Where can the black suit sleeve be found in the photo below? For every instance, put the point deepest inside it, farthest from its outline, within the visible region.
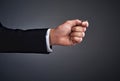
(22, 41)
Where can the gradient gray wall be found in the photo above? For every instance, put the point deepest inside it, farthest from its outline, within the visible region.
(95, 59)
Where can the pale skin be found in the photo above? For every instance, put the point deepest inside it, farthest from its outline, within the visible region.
(69, 33)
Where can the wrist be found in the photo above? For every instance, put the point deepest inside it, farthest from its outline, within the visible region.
(52, 38)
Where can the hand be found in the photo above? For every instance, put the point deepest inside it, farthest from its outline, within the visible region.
(69, 33)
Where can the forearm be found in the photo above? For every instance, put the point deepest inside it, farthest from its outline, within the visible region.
(22, 41)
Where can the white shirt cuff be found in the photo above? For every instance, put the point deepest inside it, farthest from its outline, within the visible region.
(48, 41)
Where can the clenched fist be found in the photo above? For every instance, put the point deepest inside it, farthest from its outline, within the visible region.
(69, 33)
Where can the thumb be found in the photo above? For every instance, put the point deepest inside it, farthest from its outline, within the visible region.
(73, 23)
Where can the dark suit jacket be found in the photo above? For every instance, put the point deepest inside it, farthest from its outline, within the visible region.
(22, 41)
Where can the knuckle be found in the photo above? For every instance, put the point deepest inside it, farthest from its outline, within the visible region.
(83, 34)
(84, 29)
(68, 21)
(78, 40)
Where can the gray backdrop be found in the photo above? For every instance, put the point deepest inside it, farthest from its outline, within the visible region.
(95, 59)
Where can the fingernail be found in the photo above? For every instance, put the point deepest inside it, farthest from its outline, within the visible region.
(87, 24)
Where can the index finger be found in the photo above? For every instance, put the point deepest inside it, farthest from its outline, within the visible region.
(85, 24)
